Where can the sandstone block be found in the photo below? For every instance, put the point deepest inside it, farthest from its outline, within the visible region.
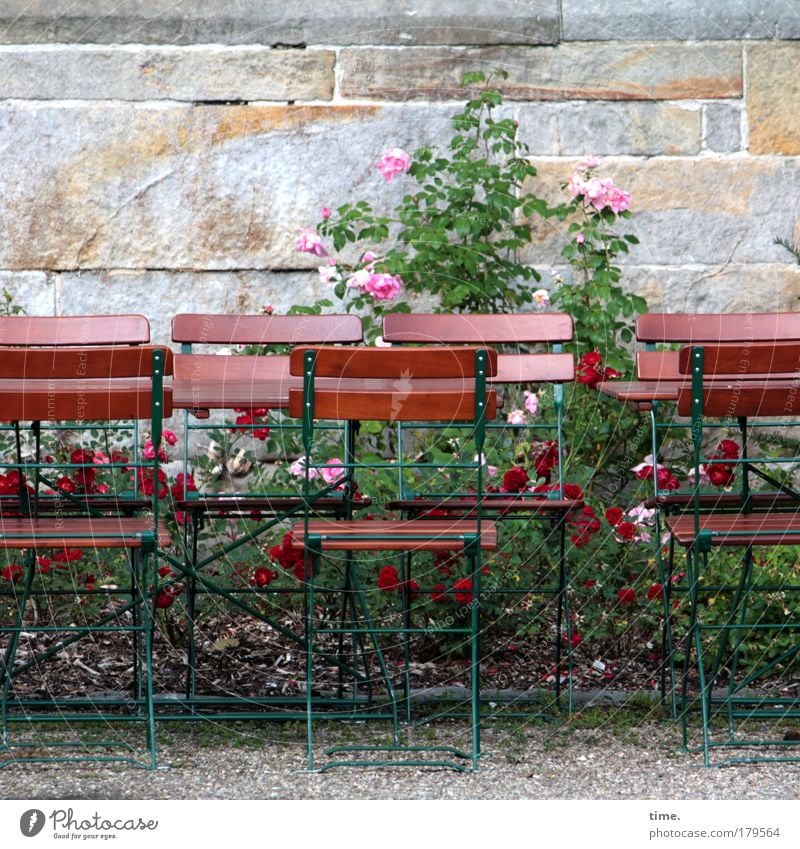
(773, 98)
(179, 187)
(210, 72)
(660, 71)
(678, 19)
(276, 22)
(723, 127)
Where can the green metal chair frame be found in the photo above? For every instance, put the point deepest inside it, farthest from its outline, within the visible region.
(428, 384)
(531, 353)
(762, 391)
(84, 387)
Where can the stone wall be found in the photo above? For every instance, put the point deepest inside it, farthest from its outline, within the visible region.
(161, 156)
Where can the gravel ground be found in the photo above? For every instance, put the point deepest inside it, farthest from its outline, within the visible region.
(521, 761)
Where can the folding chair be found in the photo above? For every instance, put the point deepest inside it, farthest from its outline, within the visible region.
(81, 388)
(765, 390)
(655, 393)
(254, 381)
(523, 361)
(427, 384)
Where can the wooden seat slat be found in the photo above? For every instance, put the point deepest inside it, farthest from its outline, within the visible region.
(751, 529)
(395, 535)
(534, 368)
(74, 532)
(491, 504)
(727, 500)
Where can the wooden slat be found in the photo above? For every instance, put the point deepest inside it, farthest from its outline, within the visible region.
(756, 528)
(400, 363)
(61, 532)
(79, 400)
(410, 402)
(439, 535)
(491, 504)
(639, 392)
(80, 363)
(204, 328)
(80, 330)
(745, 398)
(244, 503)
(753, 361)
(658, 366)
(718, 327)
(464, 328)
(534, 368)
(725, 500)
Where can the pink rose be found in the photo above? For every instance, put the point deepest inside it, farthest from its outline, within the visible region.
(392, 163)
(384, 287)
(360, 279)
(310, 242)
(516, 417)
(169, 437)
(328, 273)
(617, 199)
(531, 402)
(326, 212)
(332, 471)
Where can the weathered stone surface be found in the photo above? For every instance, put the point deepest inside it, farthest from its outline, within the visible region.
(59, 72)
(657, 71)
(159, 295)
(732, 288)
(34, 291)
(180, 187)
(679, 19)
(723, 123)
(277, 22)
(644, 129)
(686, 211)
(773, 98)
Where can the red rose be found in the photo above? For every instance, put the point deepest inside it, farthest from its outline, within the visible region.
(462, 590)
(514, 480)
(625, 530)
(644, 473)
(626, 596)
(590, 582)
(614, 516)
(263, 576)
(12, 573)
(655, 591)
(573, 491)
(611, 374)
(165, 598)
(593, 358)
(388, 579)
(729, 449)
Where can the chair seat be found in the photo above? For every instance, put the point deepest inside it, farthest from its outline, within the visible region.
(736, 529)
(395, 535)
(491, 505)
(66, 532)
(724, 500)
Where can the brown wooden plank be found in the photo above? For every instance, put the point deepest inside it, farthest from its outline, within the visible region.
(407, 403)
(491, 504)
(717, 327)
(204, 328)
(80, 330)
(745, 398)
(639, 392)
(472, 329)
(756, 528)
(80, 363)
(725, 500)
(61, 532)
(758, 360)
(534, 368)
(89, 400)
(439, 535)
(401, 363)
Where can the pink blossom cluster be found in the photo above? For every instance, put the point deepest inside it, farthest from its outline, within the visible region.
(393, 162)
(381, 285)
(310, 242)
(600, 193)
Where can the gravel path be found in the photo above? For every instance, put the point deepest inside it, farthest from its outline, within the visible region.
(520, 762)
